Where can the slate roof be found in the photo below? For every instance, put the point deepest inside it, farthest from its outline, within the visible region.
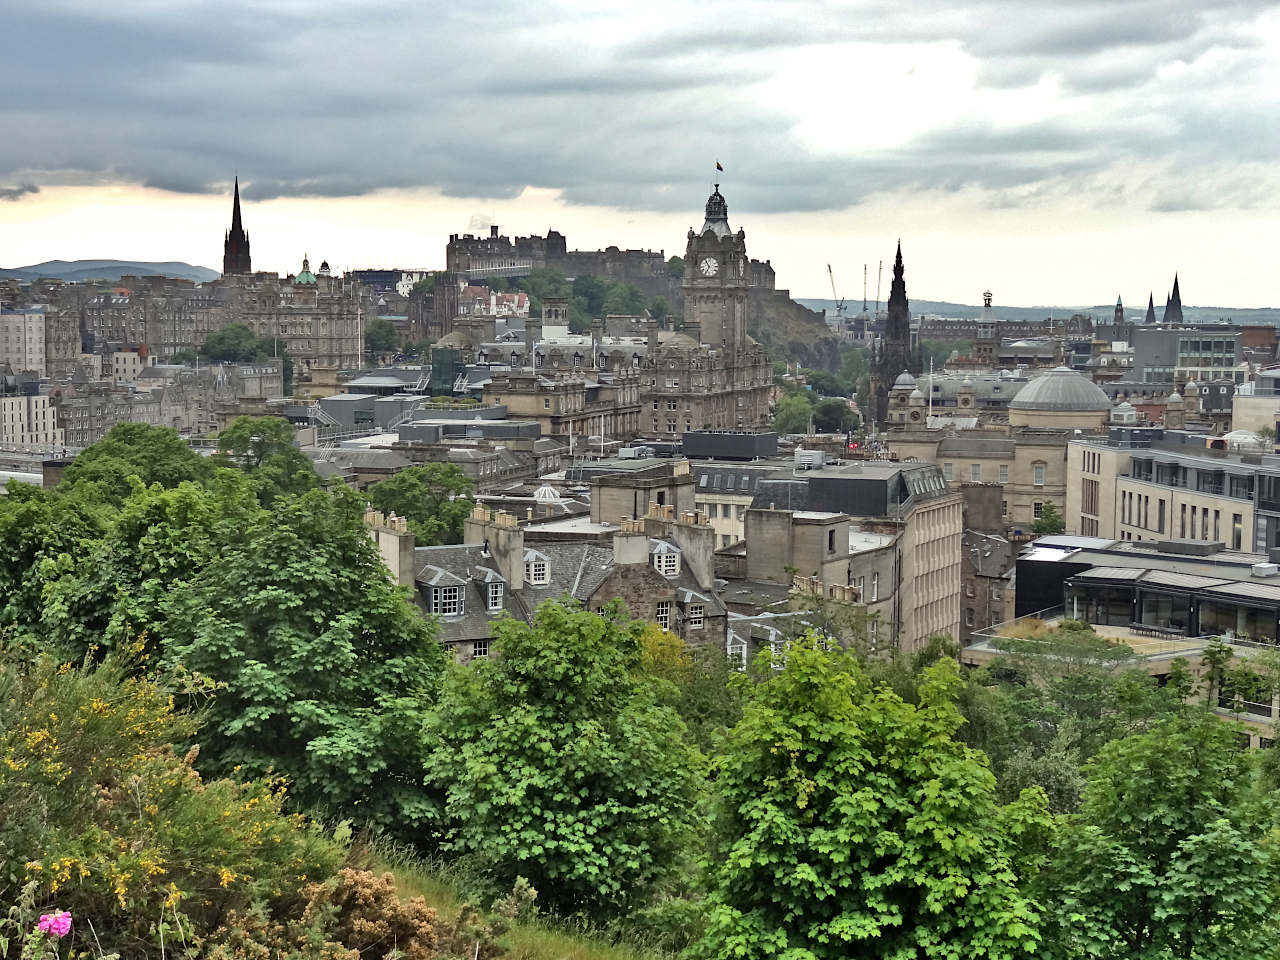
(575, 568)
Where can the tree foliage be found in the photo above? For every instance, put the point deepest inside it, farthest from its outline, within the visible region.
(1050, 521)
(152, 454)
(792, 414)
(435, 498)
(267, 449)
(558, 764)
(852, 823)
(381, 336)
(1171, 855)
(325, 671)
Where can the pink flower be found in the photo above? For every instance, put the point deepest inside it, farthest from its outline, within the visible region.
(58, 924)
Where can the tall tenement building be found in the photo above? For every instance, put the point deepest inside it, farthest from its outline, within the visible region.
(235, 246)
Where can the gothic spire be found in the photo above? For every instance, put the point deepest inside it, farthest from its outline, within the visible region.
(235, 245)
(235, 208)
(1173, 313)
(1151, 308)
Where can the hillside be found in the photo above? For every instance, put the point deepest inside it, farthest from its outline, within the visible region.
(1269, 316)
(790, 330)
(79, 270)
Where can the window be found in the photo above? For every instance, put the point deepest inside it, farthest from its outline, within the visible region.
(1037, 474)
(968, 616)
(831, 541)
(447, 601)
(667, 564)
(875, 587)
(737, 650)
(975, 472)
(495, 597)
(480, 648)
(546, 403)
(1004, 473)
(946, 472)
(697, 614)
(662, 614)
(535, 571)
(1004, 508)
(1037, 509)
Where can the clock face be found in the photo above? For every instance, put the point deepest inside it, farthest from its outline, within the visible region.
(708, 266)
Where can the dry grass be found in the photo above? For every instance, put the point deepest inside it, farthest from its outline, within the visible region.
(535, 940)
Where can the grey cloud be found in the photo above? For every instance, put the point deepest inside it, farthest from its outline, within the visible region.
(313, 102)
(18, 192)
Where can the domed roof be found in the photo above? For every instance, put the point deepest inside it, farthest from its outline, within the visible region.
(679, 341)
(916, 394)
(905, 379)
(1174, 399)
(305, 275)
(1060, 389)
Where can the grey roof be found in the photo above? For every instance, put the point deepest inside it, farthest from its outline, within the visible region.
(976, 446)
(1060, 389)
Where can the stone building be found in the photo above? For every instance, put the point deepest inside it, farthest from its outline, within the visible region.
(29, 421)
(40, 339)
(659, 565)
(893, 353)
(571, 405)
(911, 503)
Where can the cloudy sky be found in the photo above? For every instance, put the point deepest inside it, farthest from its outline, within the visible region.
(1057, 152)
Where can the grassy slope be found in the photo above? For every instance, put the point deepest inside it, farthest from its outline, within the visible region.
(529, 941)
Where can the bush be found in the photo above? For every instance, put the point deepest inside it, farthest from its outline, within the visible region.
(114, 825)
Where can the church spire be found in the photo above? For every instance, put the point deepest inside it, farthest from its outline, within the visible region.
(1151, 308)
(235, 245)
(1119, 316)
(1173, 312)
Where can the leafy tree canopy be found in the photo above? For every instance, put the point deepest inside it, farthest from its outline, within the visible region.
(381, 336)
(792, 414)
(853, 823)
(1049, 522)
(236, 343)
(1173, 853)
(266, 448)
(152, 454)
(558, 764)
(435, 498)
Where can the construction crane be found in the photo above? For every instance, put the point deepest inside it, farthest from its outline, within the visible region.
(836, 296)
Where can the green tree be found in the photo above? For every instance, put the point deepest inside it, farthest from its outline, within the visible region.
(1049, 522)
(1171, 855)
(152, 454)
(624, 298)
(825, 384)
(792, 414)
(591, 289)
(558, 764)
(435, 498)
(660, 308)
(380, 336)
(266, 448)
(832, 415)
(235, 343)
(675, 267)
(325, 670)
(851, 823)
(423, 287)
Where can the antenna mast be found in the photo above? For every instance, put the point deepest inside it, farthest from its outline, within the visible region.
(879, 275)
(864, 288)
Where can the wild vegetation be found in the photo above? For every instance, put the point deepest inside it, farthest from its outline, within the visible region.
(221, 724)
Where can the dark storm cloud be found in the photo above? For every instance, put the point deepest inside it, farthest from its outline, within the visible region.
(631, 109)
(18, 192)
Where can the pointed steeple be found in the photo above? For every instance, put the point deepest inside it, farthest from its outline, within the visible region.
(235, 245)
(235, 208)
(1173, 312)
(1119, 316)
(1151, 308)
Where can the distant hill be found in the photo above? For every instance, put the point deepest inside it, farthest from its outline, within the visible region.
(107, 270)
(1267, 316)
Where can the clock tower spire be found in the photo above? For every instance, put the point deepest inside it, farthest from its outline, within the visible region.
(715, 280)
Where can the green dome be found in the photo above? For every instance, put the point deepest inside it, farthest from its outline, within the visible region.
(305, 275)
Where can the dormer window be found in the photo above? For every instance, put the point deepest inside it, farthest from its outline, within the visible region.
(494, 596)
(446, 601)
(667, 563)
(537, 573)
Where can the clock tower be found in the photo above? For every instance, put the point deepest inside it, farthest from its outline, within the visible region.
(715, 281)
